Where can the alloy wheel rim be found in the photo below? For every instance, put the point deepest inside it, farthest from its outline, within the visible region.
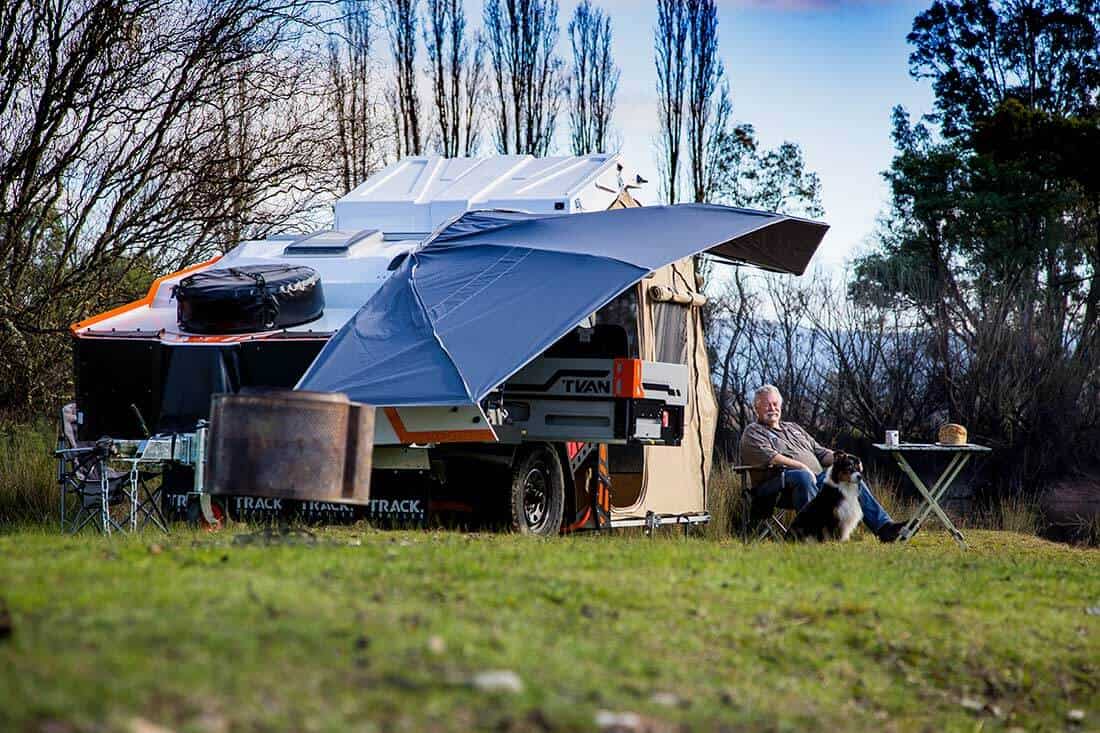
(535, 498)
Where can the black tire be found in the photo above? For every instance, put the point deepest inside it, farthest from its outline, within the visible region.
(538, 491)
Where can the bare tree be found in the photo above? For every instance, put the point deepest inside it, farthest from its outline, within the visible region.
(401, 21)
(527, 80)
(704, 76)
(671, 45)
(119, 157)
(265, 164)
(733, 311)
(359, 137)
(475, 96)
(594, 80)
(456, 64)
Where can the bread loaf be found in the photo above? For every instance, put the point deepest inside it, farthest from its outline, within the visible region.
(951, 434)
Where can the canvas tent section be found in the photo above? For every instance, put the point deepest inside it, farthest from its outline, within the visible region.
(672, 331)
(673, 480)
(489, 292)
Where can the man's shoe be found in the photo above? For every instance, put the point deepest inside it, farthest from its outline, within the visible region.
(890, 531)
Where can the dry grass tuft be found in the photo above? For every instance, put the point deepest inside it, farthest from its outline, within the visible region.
(725, 502)
(27, 481)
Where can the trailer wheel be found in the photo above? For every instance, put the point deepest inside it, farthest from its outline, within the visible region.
(538, 491)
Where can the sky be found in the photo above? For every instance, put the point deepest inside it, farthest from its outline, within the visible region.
(822, 73)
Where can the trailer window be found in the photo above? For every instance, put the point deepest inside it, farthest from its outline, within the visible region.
(670, 324)
(623, 312)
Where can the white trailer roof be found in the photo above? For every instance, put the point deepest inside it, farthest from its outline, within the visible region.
(414, 196)
(386, 215)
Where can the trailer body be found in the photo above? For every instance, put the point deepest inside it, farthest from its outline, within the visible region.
(621, 406)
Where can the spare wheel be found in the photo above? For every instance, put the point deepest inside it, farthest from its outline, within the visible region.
(248, 299)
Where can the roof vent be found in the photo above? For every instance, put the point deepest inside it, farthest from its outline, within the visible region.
(334, 243)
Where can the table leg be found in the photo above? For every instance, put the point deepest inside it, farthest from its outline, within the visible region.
(104, 506)
(945, 483)
(941, 484)
(931, 498)
(133, 496)
(914, 522)
(939, 489)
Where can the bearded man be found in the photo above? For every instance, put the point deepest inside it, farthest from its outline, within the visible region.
(791, 466)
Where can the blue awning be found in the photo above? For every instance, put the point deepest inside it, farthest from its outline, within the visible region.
(493, 290)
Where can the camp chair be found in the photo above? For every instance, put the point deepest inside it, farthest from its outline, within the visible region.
(763, 516)
(89, 489)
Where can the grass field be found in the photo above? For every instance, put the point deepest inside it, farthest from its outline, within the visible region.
(366, 630)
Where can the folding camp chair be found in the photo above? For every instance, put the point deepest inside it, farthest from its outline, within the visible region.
(763, 516)
(90, 491)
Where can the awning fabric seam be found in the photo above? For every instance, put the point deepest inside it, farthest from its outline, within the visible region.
(435, 334)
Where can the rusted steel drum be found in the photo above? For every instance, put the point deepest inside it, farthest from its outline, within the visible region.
(285, 444)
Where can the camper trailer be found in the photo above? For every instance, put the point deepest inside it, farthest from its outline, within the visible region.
(567, 389)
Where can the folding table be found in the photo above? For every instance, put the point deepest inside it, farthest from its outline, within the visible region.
(960, 454)
(152, 454)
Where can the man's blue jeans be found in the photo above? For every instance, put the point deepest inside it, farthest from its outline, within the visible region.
(794, 488)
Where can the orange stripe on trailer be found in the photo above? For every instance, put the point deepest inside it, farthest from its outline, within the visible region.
(226, 338)
(627, 378)
(148, 299)
(435, 436)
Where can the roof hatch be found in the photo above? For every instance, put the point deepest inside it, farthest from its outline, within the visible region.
(333, 243)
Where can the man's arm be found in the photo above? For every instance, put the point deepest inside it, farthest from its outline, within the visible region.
(823, 454)
(784, 462)
(756, 447)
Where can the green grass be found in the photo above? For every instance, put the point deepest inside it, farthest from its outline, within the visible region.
(370, 630)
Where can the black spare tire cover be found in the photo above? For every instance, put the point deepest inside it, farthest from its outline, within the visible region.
(249, 298)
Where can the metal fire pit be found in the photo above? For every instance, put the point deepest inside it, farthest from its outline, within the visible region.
(312, 446)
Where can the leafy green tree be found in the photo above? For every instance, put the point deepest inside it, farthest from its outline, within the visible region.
(746, 174)
(980, 53)
(993, 234)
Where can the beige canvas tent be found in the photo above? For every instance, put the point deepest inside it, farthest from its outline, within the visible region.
(673, 480)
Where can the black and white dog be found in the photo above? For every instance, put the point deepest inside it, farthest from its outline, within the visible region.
(835, 511)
